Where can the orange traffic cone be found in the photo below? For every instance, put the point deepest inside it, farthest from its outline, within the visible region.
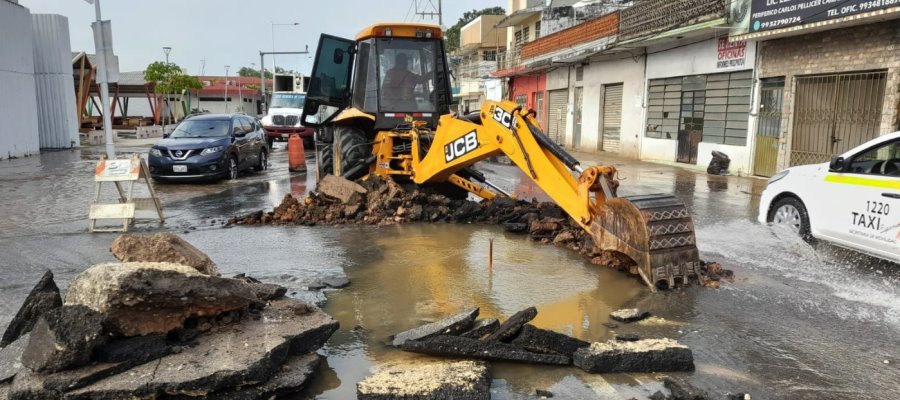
(296, 158)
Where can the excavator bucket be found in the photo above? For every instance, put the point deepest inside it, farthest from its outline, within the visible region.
(656, 231)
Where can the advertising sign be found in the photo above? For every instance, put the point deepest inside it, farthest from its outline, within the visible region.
(774, 14)
(731, 54)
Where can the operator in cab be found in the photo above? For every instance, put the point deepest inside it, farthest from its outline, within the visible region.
(398, 88)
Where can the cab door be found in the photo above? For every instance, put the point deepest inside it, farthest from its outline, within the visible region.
(329, 85)
(864, 192)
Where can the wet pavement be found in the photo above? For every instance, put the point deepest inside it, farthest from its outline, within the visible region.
(800, 322)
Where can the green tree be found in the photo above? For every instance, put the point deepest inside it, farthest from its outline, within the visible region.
(452, 33)
(169, 78)
(247, 71)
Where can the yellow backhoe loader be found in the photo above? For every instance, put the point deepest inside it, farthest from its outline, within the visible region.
(381, 104)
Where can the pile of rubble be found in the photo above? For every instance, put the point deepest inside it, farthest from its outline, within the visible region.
(376, 201)
(160, 324)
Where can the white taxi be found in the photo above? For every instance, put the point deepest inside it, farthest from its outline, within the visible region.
(853, 202)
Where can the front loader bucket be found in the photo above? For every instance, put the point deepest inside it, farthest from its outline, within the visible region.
(656, 231)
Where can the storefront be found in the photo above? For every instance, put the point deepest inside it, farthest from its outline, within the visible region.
(528, 90)
(826, 93)
(698, 100)
(613, 89)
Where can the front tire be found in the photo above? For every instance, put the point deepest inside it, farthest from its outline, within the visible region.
(325, 160)
(354, 151)
(232, 168)
(790, 212)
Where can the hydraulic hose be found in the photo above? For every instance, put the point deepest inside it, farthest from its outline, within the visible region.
(553, 148)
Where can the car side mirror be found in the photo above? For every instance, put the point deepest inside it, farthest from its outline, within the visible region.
(837, 164)
(166, 135)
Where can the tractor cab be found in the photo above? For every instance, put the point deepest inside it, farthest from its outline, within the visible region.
(391, 72)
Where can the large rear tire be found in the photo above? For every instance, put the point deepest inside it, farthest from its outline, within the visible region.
(355, 148)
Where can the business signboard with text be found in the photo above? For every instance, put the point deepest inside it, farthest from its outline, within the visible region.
(768, 15)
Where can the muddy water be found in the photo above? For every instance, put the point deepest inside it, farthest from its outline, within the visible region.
(406, 276)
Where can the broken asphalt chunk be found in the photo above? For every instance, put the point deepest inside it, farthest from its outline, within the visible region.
(458, 380)
(455, 346)
(682, 390)
(629, 315)
(290, 378)
(539, 340)
(11, 358)
(42, 298)
(64, 338)
(481, 328)
(454, 325)
(511, 327)
(648, 355)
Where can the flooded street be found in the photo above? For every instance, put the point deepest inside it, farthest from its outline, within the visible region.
(799, 322)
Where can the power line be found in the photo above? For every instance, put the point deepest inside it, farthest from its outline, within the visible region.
(435, 11)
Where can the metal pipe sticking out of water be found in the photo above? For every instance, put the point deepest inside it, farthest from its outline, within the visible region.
(491, 255)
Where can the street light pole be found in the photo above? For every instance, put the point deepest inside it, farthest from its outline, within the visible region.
(166, 118)
(273, 40)
(226, 88)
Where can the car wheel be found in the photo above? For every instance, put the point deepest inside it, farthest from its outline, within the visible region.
(232, 168)
(790, 213)
(263, 161)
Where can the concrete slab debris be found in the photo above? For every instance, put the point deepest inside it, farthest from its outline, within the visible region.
(139, 298)
(42, 298)
(511, 327)
(538, 340)
(629, 315)
(454, 325)
(64, 337)
(263, 291)
(11, 358)
(346, 191)
(458, 380)
(162, 247)
(455, 346)
(648, 355)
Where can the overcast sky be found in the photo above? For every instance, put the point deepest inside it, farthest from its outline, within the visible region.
(232, 32)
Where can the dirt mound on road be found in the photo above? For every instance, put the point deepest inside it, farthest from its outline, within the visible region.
(376, 201)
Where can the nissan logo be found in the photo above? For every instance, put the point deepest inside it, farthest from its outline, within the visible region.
(178, 153)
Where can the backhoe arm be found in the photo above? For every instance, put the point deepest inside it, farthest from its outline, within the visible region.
(655, 231)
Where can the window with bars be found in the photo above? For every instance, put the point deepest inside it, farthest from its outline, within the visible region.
(521, 100)
(489, 55)
(539, 106)
(537, 30)
(525, 32)
(717, 104)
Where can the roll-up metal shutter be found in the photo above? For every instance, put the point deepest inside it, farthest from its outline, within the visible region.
(557, 115)
(612, 117)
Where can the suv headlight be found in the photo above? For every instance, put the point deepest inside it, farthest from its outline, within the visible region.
(779, 176)
(211, 150)
(155, 152)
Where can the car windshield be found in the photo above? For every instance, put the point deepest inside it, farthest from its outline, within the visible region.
(202, 129)
(284, 100)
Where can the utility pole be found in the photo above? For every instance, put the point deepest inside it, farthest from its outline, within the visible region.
(102, 48)
(166, 118)
(435, 12)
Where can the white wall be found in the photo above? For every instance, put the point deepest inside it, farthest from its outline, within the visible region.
(696, 59)
(630, 73)
(57, 116)
(18, 103)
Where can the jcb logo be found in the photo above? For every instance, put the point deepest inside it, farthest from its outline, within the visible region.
(503, 117)
(461, 146)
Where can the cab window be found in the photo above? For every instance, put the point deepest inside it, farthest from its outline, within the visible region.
(406, 73)
(881, 160)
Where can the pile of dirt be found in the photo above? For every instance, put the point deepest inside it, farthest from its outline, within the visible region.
(376, 201)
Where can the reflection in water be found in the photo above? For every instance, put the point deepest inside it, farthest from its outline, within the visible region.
(414, 274)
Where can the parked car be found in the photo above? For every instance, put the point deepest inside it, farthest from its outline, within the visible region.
(852, 202)
(210, 146)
